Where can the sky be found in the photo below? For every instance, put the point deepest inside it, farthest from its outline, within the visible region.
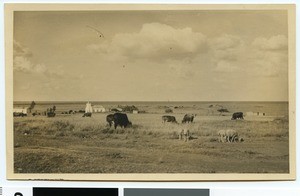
(150, 55)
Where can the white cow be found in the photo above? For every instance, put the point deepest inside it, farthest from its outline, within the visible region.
(229, 135)
(184, 134)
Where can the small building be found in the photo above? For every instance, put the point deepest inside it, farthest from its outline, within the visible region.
(20, 111)
(255, 114)
(249, 114)
(98, 109)
(135, 111)
(261, 114)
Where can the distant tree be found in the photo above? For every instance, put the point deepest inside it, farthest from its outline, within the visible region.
(128, 108)
(169, 110)
(31, 106)
(222, 110)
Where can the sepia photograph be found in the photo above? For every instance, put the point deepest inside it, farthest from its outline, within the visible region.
(150, 92)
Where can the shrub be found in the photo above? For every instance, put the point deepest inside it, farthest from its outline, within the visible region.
(169, 110)
(62, 126)
(128, 108)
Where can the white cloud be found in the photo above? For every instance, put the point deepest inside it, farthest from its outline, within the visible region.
(40, 68)
(22, 64)
(154, 40)
(265, 57)
(231, 54)
(226, 67)
(272, 64)
(21, 60)
(20, 50)
(278, 42)
(225, 42)
(271, 58)
(226, 50)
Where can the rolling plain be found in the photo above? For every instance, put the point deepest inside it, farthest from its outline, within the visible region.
(69, 143)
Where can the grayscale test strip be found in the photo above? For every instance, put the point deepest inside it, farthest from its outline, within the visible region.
(166, 192)
(58, 191)
(76, 191)
(51, 191)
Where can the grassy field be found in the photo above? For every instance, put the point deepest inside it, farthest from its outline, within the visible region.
(72, 144)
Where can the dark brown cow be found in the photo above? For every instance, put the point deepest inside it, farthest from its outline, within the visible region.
(237, 115)
(110, 119)
(89, 114)
(121, 120)
(167, 118)
(188, 118)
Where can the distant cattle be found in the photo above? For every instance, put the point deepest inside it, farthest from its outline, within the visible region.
(167, 118)
(229, 135)
(71, 112)
(110, 119)
(50, 114)
(237, 115)
(120, 119)
(188, 118)
(184, 134)
(89, 114)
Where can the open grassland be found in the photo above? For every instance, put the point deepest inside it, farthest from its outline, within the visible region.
(72, 144)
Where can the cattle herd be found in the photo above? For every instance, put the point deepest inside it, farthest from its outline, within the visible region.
(188, 118)
(121, 119)
(228, 135)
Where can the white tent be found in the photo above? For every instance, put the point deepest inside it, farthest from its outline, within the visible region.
(88, 108)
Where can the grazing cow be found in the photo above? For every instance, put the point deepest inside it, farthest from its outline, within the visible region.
(184, 134)
(89, 114)
(232, 135)
(121, 120)
(237, 115)
(229, 135)
(167, 118)
(110, 119)
(188, 118)
(50, 114)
